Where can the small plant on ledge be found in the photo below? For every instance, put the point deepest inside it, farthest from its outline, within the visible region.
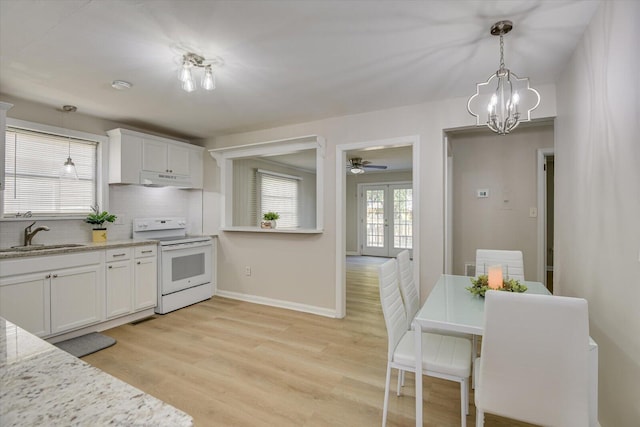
(269, 220)
(480, 286)
(98, 218)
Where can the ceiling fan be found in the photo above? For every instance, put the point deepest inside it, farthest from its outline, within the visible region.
(357, 166)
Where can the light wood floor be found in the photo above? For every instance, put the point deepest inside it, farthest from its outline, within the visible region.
(232, 363)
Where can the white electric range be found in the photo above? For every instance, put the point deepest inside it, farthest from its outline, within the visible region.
(184, 262)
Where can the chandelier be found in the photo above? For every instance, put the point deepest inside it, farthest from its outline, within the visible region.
(191, 61)
(504, 98)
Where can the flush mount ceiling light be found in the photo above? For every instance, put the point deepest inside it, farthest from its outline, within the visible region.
(68, 169)
(192, 60)
(121, 85)
(504, 96)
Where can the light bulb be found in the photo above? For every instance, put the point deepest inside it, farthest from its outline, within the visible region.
(208, 80)
(516, 98)
(188, 85)
(356, 171)
(185, 72)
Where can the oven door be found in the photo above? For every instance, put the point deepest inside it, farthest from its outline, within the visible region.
(185, 265)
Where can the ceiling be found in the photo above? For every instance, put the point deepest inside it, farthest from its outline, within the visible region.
(285, 61)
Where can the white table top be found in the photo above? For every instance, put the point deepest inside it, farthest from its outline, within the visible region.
(451, 307)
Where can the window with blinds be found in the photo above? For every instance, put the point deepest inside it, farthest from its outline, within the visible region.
(33, 170)
(279, 193)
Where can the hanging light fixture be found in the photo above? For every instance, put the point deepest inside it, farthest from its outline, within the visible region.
(504, 97)
(68, 170)
(191, 61)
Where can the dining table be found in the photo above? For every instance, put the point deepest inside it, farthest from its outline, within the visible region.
(450, 307)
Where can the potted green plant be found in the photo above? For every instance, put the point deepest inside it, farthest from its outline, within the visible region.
(98, 218)
(269, 220)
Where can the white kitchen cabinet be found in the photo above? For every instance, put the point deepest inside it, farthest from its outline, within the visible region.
(145, 277)
(24, 300)
(76, 297)
(119, 282)
(134, 155)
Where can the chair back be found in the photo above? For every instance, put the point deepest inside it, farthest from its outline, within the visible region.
(407, 286)
(395, 318)
(512, 260)
(534, 364)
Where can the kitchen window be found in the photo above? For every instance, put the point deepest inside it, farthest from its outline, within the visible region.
(279, 193)
(33, 166)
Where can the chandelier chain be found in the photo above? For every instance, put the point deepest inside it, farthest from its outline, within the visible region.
(501, 53)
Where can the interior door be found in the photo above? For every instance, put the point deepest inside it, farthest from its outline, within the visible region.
(386, 218)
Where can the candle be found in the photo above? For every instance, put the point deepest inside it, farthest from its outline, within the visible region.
(495, 277)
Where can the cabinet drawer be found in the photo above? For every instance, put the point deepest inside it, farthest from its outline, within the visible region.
(145, 251)
(118, 254)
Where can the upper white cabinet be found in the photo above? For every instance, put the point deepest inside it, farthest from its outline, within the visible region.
(138, 158)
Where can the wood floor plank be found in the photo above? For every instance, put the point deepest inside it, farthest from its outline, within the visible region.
(233, 363)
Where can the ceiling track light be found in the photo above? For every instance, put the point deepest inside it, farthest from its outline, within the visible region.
(191, 61)
(503, 102)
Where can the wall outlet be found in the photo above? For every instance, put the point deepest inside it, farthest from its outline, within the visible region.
(247, 271)
(533, 212)
(482, 193)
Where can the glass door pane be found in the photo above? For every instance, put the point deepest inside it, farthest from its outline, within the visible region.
(375, 221)
(402, 226)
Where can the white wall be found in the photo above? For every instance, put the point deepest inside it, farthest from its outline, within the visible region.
(301, 269)
(352, 200)
(597, 211)
(506, 165)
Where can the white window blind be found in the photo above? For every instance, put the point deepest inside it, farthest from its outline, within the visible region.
(279, 193)
(33, 164)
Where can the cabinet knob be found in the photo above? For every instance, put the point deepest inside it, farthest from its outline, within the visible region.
(48, 276)
(111, 266)
(139, 262)
(55, 275)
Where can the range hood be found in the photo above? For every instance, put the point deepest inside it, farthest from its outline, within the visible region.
(163, 179)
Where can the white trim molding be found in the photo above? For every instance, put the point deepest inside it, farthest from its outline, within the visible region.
(321, 311)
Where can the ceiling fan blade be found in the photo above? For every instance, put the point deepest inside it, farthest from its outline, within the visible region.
(374, 167)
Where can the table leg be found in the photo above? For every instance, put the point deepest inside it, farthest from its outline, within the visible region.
(418, 380)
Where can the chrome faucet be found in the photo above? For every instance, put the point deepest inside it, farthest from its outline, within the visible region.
(28, 234)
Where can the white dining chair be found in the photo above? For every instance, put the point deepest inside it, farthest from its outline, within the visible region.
(443, 356)
(534, 364)
(512, 262)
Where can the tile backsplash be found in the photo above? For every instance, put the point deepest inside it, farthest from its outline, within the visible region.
(127, 202)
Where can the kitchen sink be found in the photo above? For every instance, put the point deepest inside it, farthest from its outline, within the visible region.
(41, 247)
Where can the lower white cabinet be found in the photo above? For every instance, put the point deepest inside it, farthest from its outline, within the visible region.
(52, 295)
(119, 282)
(24, 300)
(76, 297)
(145, 278)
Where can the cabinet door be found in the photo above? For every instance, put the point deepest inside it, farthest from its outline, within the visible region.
(154, 156)
(146, 283)
(24, 300)
(76, 297)
(119, 288)
(178, 159)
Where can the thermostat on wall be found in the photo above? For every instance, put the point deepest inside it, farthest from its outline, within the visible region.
(482, 193)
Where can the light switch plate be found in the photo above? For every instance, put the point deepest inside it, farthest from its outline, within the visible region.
(533, 212)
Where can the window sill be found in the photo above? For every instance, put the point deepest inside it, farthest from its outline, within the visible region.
(276, 230)
(43, 218)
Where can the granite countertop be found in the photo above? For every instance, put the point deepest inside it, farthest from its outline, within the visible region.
(82, 247)
(42, 385)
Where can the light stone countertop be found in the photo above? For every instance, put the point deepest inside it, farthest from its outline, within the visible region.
(42, 385)
(9, 253)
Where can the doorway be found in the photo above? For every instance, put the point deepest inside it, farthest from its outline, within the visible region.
(386, 218)
(343, 201)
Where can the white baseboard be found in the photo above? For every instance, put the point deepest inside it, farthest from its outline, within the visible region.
(352, 253)
(320, 311)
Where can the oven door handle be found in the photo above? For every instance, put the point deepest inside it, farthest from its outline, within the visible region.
(185, 246)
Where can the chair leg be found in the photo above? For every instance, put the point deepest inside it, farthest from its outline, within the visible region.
(464, 403)
(386, 396)
(479, 417)
(402, 383)
(400, 375)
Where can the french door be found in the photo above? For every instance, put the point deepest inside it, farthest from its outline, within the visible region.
(386, 218)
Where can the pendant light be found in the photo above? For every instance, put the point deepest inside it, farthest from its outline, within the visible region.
(68, 169)
(504, 99)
